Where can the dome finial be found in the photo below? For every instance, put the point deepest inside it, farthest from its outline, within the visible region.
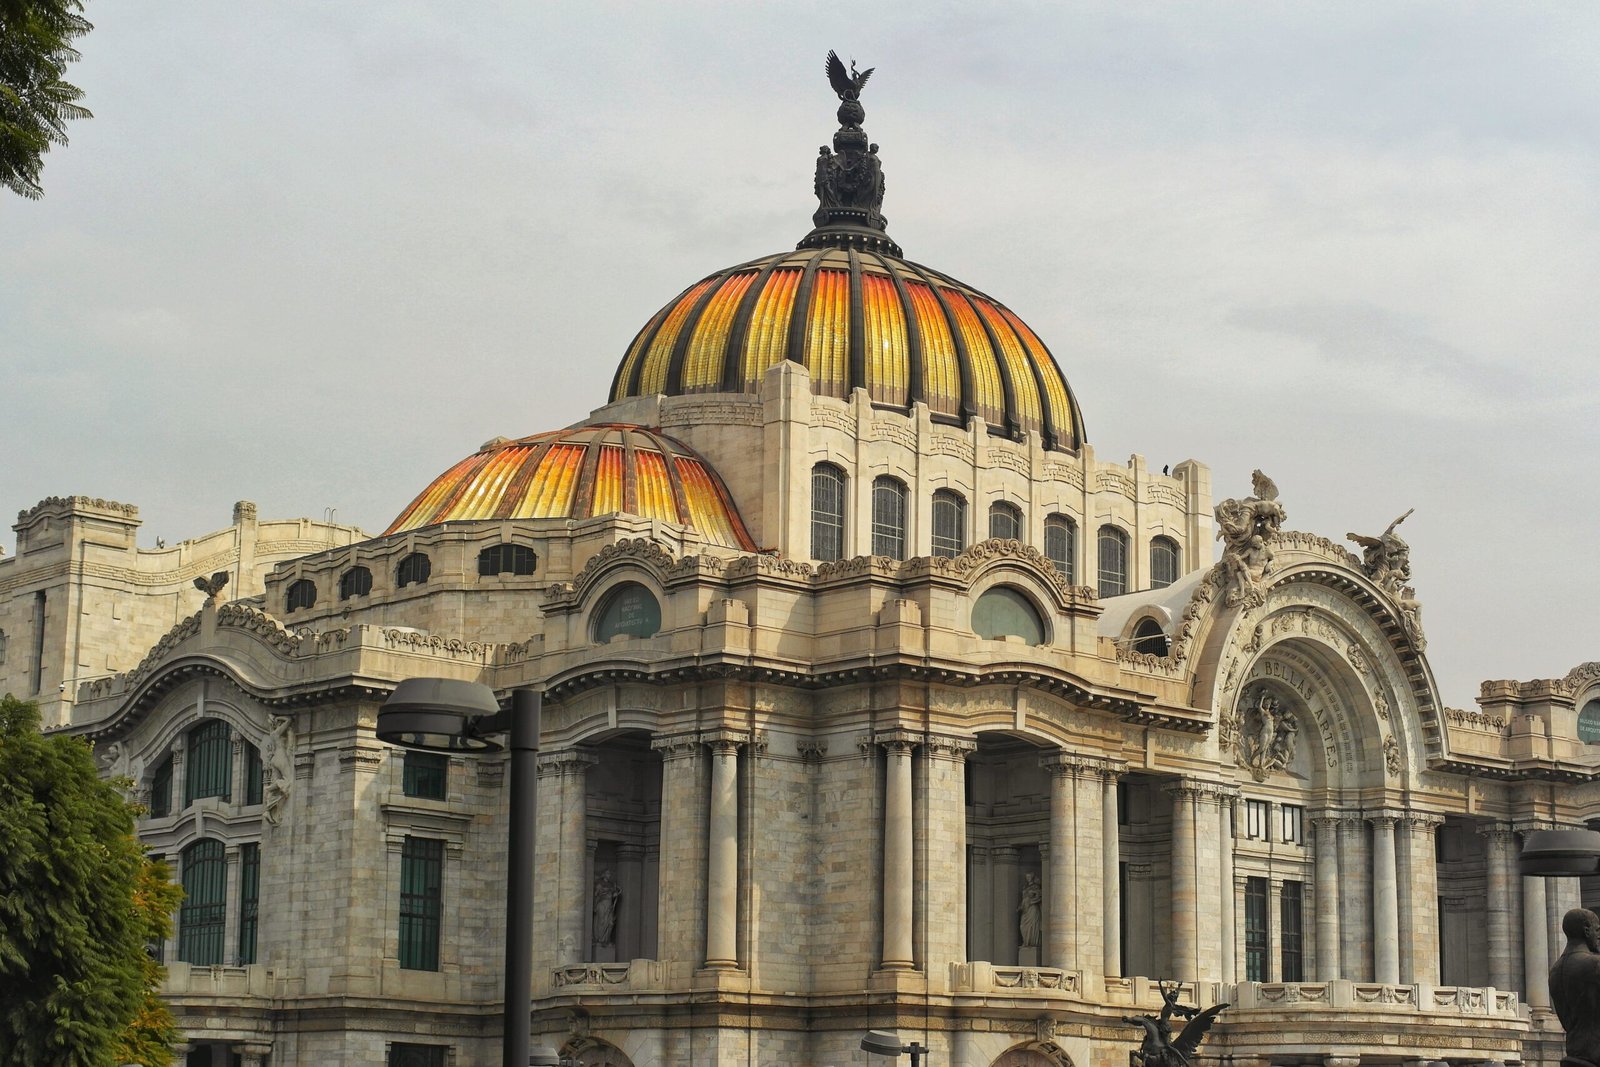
(849, 181)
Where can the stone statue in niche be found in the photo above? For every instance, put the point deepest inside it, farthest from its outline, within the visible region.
(277, 767)
(1028, 910)
(1575, 988)
(607, 894)
(1247, 529)
(1268, 735)
(1158, 1049)
(128, 770)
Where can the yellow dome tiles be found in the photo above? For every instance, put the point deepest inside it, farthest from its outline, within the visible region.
(856, 319)
(579, 473)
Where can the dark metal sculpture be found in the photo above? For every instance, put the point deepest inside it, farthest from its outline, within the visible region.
(1575, 988)
(1158, 1048)
(213, 585)
(849, 177)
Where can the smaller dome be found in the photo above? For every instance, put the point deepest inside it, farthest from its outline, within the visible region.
(578, 473)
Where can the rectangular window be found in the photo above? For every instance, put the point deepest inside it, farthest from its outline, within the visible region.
(1293, 819)
(1289, 929)
(421, 875)
(402, 1054)
(1256, 813)
(249, 900)
(1255, 930)
(425, 774)
(200, 917)
(161, 790)
(252, 774)
(38, 640)
(208, 770)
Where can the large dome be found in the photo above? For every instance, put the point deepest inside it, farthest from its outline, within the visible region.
(578, 473)
(856, 319)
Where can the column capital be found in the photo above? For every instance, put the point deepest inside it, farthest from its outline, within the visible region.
(676, 746)
(1497, 830)
(565, 761)
(725, 740)
(948, 747)
(1326, 819)
(1525, 826)
(1422, 822)
(1113, 769)
(896, 740)
(1190, 788)
(1063, 764)
(1384, 817)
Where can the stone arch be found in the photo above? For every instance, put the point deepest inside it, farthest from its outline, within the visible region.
(593, 1052)
(1033, 1054)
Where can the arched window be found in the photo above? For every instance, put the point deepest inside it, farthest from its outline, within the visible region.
(1163, 562)
(205, 890)
(506, 559)
(629, 609)
(949, 523)
(415, 568)
(208, 766)
(1113, 561)
(1150, 638)
(1589, 723)
(827, 512)
(1005, 520)
(888, 517)
(357, 581)
(1005, 612)
(302, 594)
(1061, 545)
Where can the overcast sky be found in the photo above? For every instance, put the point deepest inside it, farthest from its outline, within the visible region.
(312, 254)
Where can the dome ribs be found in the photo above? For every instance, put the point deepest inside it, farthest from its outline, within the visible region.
(511, 499)
(857, 375)
(630, 475)
(1009, 407)
(1062, 404)
(651, 373)
(583, 505)
(967, 409)
(795, 350)
(914, 388)
(1027, 400)
(767, 342)
(733, 355)
(687, 331)
(827, 351)
(667, 452)
(626, 383)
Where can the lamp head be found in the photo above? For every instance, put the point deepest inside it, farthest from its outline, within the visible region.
(437, 715)
(882, 1042)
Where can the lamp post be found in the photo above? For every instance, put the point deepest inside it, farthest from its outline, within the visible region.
(445, 715)
(887, 1043)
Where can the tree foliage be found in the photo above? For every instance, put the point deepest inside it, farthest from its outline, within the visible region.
(79, 900)
(36, 102)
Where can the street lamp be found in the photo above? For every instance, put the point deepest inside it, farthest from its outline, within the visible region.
(1560, 853)
(445, 715)
(887, 1043)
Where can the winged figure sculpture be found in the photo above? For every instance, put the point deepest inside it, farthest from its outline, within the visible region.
(213, 585)
(1159, 1049)
(846, 84)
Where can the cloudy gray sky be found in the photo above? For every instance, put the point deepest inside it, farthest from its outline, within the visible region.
(311, 254)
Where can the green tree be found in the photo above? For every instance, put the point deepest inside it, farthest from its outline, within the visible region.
(79, 900)
(36, 102)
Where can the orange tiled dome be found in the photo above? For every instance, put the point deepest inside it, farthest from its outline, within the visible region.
(856, 318)
(581, 472)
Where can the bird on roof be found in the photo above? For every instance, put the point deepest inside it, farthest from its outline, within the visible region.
(847, 85)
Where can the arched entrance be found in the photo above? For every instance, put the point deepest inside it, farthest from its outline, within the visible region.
(1033, 1057)
(592, 1052)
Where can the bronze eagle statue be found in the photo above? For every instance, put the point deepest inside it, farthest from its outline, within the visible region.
(213, 585)
(847, 85)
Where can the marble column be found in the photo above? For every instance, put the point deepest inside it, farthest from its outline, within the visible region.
(1111, 845)
(1060, 943)
(1006, 883)
(898, 876)
(1385, 901)
(568, 771)
(1326, 853)
(680, 885)
(1561, 895)
(1500, 850)
(1230, 944)
(1535, 943)
(1355, 954)
(942, 847)
(722, 856)
(1419, 899)
(1185, 889)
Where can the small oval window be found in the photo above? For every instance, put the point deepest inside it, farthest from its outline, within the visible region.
(630, 610)
(1004, 612)
(1589, 723)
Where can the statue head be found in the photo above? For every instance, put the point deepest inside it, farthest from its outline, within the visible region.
(1582, 925)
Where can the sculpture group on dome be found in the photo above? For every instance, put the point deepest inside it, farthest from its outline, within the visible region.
(1247, 529)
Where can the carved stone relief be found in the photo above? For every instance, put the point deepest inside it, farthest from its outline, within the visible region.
(1267, 731)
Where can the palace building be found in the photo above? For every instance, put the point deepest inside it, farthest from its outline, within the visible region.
(873, 699)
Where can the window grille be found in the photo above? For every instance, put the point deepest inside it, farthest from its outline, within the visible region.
(827, 512)
(252, 774)
(1005, 521)
(413, 570)
(1255, 930)
(249, 900)
(200, 918)
(1060, 545)
(302, 594)
(405, 1054)
(208, 767)
(1292, 907)
(357, 581)
(949, 523)
(889, 517)
(1113, 544)
(421, 877)
(1163, 562)
(1150, 638)
(425, 774)
(506, 559)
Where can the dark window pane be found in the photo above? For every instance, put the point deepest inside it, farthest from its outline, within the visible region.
(506, 559)
(1113, 544)
(1150, 638)
(208, 769)
(630, 609)
(408, 1055)
(1004, 612)
(889, 518)
(161, 789)
(827, 512)
(1291, 906)
(949, 523)
(1255, 930)
(421, 876)
(357, 581)
(302, 594)
(249, 900)
(1163, 562)
(1060, 545)
(425, 774)
(1005, 521)
(252, 774)
(413, 570)
(200, 918)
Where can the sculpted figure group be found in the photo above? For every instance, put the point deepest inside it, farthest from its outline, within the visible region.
(1158, 1048)
(1247, 529)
